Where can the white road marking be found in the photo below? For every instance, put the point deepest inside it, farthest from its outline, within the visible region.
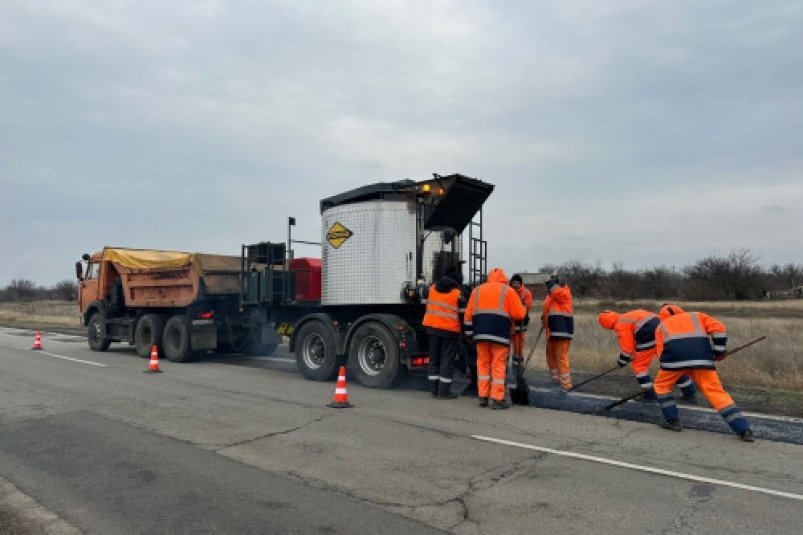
(49, 354)
(641, 468)
(790, 419)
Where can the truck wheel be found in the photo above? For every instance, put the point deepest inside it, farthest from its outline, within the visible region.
(374, 356)
(176, 339)
(316, 358)
(148, 332)
(96, 333)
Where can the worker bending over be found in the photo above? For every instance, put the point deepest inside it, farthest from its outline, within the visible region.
(490, 311)
(689, 343)
(635, 331)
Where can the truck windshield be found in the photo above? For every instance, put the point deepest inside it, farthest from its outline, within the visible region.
(91, 271)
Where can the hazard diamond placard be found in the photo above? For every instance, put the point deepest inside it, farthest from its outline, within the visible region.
(337, 234)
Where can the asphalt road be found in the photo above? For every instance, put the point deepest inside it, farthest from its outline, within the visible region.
(89, 443)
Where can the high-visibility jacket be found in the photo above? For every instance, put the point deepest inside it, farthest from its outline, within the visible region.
(442, 310)
(526, 298)
(635, 330)
(559, 313)
(688, 340)
(491, 309)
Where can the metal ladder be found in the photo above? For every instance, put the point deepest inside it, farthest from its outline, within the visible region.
(477, 253)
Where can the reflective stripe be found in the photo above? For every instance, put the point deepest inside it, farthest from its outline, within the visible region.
(565, 314)
(340, 390)
(719, 348)
(500, 307)
(492, 338)
(641, 323)
(686, 364)
(483, 377)
(447, 315)
(733, 417)
(684, 384)
(433, 377)
(445, 380)
(646, 345)
(468, 323)
(667, 404)
(498, 381)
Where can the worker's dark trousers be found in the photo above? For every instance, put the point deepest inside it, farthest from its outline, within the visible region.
(442, 351)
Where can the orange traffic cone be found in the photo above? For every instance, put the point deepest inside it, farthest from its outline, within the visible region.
(37, 341)
(341, 399)
(153, 367)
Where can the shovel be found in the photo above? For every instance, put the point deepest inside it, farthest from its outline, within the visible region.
(521, 394)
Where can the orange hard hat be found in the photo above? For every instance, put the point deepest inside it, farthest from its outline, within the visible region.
(608, 318)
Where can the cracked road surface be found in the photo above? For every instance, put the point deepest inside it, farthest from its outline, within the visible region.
(213, 447)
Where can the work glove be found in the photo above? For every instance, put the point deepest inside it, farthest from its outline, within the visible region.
(623, 360)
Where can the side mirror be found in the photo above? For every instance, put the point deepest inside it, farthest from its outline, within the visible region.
(85, 257)
(79, 271)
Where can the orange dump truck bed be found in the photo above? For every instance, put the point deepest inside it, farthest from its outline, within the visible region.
(152, 278)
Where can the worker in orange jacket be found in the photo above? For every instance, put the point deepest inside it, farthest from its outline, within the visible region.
(558, 321)
(635, 331)
(490, 311)
(690, 343)
(519, 334)
(442, 322)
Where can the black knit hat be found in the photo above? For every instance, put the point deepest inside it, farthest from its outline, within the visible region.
(516, 277)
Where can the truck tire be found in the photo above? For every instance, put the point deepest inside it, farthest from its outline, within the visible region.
(374, 356)
(176, 339)
(96, 333)
(148, 332)
(316, 357)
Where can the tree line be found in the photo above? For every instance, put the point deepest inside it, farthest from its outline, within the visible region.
(737, 276)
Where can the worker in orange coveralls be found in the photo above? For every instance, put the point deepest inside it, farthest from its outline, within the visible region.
(690, 343)
(558, 321)
(636, 333)
(490, 311)
(518, 336)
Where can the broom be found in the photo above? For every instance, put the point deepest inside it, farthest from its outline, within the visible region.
(521, 394)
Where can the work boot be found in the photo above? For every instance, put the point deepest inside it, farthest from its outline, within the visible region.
(498, 405)
(444, 391)
(746, 435)
(672, 425)
(483, 402)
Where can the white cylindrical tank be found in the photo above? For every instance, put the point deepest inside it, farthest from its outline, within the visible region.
(368, 251)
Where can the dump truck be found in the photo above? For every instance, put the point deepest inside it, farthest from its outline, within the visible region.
(360, 303)
(184, 303)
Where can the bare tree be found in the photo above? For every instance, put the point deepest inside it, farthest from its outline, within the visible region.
(66, 290)
(21, 290)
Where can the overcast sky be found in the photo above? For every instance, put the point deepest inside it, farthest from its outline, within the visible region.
(638, 132)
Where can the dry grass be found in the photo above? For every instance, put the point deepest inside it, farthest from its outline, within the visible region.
(776, 362)
(40, 314)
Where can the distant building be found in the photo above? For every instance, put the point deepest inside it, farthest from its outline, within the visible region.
(536, 283)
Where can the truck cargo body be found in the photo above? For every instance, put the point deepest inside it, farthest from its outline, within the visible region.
(184, 303)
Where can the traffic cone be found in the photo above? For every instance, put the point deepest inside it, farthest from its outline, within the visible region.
(153, 367)
(341, 399)
(37, 341)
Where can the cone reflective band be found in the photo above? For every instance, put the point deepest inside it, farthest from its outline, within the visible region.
(153, 367)
(341, 399)
(37, 341)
